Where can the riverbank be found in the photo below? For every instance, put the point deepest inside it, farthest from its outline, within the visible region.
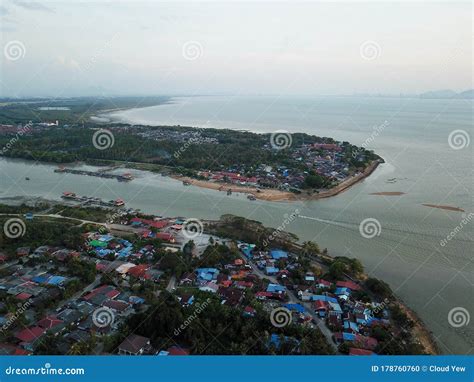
(274, 195)
(420, 330)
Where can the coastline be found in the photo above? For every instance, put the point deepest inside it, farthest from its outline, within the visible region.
(274, 195)
(420, 330)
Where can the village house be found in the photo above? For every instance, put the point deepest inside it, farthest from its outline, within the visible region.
(134, 345)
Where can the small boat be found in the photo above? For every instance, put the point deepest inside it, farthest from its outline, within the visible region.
(119, 203)
(68, 195)
(251, 197)
(125, 177)
(229, 191)
(186, 183)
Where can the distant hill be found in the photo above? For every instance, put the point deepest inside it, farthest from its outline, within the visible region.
(468, 94)
(448, 93)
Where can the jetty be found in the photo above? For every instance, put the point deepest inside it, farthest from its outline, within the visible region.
(89, 200)
(100, 174)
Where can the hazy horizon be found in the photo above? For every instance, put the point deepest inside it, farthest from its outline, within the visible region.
(94, 48)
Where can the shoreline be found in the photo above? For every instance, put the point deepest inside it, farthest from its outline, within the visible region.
(274, 195)
(420, 330)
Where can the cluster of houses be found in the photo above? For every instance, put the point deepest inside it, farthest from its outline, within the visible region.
(160, 134)
(351, 320)
(73, 320)
(326, 159)
(265, 274)
(230, 286)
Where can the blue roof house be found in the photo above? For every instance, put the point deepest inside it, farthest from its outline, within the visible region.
(278, 254)
(56, 280)
(295, 307)
(349, 325)
(275, 288)
(342, 291)
(271, 270)
(320, 297)
(348, 336)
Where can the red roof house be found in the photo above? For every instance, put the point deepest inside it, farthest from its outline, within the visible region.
(138, 271)
(30, 334)
(348, 284)
(355, 351)
(49, 322)
(23, 296)
(176, 350)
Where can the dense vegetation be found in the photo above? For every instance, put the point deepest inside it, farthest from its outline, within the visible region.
(42, 232)
(219, 329)
(235, 149)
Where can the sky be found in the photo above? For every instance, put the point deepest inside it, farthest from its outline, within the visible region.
(79, 48)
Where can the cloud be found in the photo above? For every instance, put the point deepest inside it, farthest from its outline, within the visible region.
(32, 5)
(3, 10)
